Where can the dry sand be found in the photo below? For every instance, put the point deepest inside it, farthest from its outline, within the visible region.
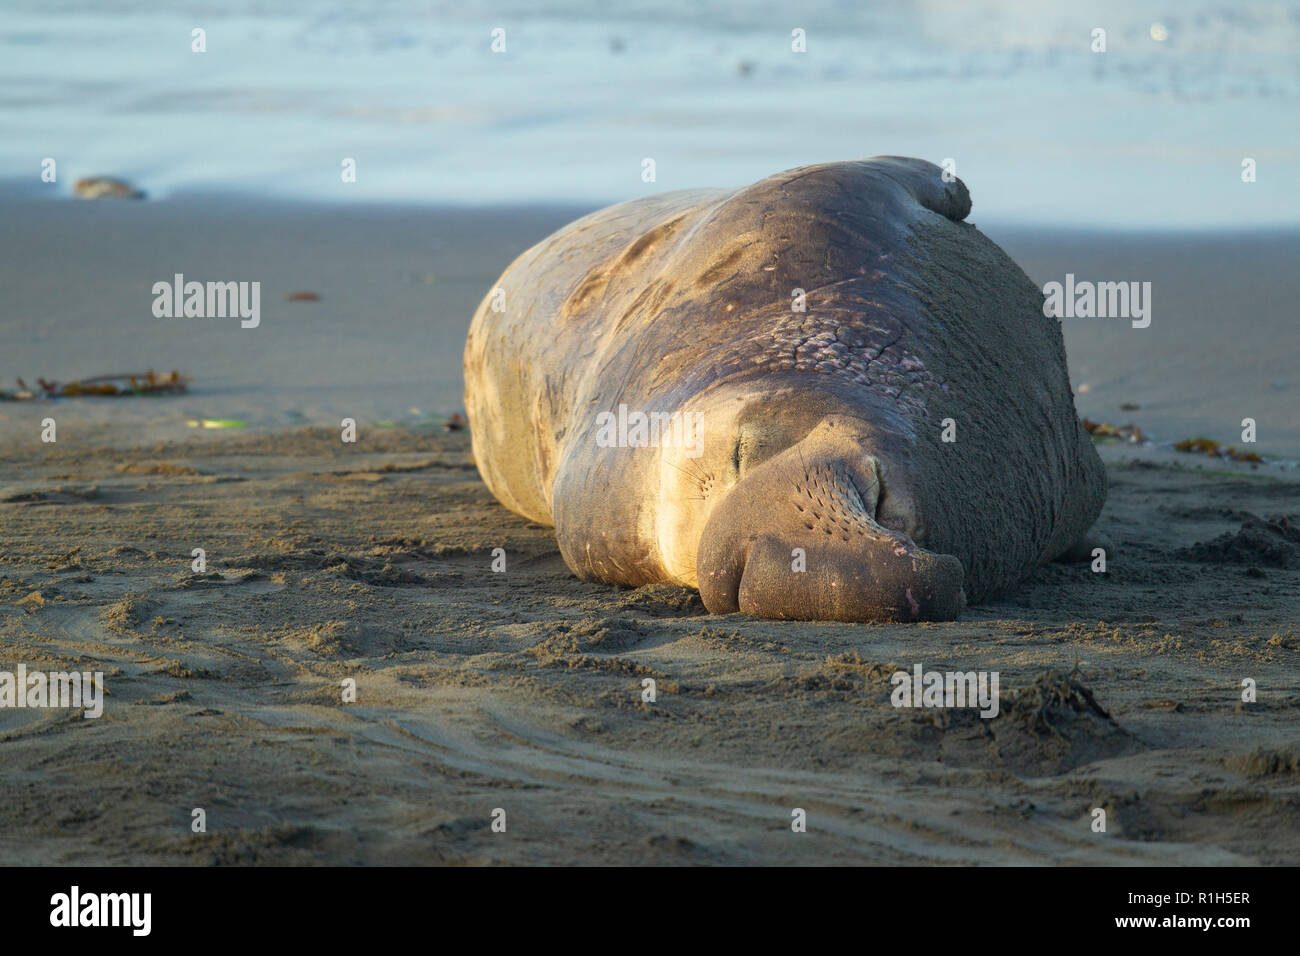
(522, 690)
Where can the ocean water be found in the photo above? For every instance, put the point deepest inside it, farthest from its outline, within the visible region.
(1150, 134)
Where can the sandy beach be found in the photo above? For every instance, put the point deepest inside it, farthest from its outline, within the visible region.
(522, 689)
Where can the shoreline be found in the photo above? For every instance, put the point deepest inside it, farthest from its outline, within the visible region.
(218, 200)
(396, 287)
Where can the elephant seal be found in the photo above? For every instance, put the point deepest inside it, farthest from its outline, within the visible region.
(856, 407)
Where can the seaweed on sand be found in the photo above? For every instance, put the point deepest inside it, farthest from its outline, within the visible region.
(114, 386)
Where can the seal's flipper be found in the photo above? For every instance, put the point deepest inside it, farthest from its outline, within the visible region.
(925, 181)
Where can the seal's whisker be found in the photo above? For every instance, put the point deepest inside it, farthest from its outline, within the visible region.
(699, 479)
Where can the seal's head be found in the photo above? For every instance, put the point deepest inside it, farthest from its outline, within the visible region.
(806, 506)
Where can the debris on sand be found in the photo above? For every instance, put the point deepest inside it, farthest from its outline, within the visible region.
(1053, 704)
(141, 383)
(455, 423)
(1266, 762)
(215, 423)
(128, 613)
(164, 468)
(341, 639)
(103, 187)
(1206, 446)
(1049, 725)
(1055, 723)
(1103, 430)
(1271, 541)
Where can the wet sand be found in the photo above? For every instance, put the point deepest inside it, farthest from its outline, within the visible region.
(398, 285)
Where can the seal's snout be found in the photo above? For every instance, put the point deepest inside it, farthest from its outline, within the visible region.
(880, 582)
(799, 539)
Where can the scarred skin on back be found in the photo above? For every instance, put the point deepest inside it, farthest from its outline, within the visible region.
(820, 432)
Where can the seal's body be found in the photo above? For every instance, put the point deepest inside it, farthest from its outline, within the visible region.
(857, 409)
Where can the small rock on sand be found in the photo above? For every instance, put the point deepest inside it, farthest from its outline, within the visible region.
(102, 187)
